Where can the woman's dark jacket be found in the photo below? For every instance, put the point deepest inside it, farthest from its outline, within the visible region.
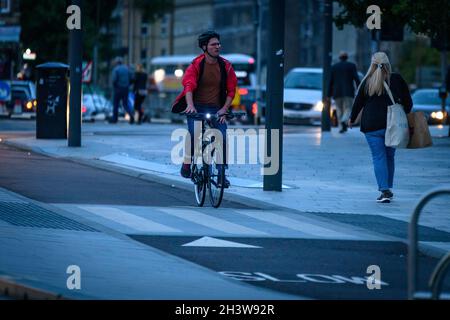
(374, 107)
(140, 82)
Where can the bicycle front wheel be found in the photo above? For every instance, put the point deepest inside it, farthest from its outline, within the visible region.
(216, 181)
(199, 185)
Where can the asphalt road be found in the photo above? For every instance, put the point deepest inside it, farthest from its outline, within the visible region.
(51, 180)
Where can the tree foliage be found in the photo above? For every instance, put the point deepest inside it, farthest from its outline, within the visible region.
(430, 18)
(44, 28)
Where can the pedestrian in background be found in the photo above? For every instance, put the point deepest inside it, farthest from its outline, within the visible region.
(140, 90)
(342, 85)
(447, 79)
(121, 82)
(374, 100)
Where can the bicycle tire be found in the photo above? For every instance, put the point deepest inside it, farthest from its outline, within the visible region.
(216, 199)
(200, 187)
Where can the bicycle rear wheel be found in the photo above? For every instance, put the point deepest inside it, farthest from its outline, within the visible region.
(216, 179)
(198, 178)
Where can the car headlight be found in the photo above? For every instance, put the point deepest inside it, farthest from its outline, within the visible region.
(29, 105)
(318, 106)
(439, 115)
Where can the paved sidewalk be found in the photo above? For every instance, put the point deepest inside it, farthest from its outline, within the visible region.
(323, 172)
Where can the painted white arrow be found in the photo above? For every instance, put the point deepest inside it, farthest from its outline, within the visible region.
(212, 242)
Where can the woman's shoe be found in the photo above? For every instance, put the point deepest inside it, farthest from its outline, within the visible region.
(384, 197)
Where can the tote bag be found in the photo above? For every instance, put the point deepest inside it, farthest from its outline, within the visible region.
(397, 130)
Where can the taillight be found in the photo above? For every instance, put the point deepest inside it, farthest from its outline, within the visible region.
(83, 109)
(254, 108)
(243, 91)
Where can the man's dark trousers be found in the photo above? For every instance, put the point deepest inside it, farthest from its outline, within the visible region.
(120, 94)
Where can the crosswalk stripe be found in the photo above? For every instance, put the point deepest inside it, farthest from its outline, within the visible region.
(128, 219)
(289, 223)
(211, 222)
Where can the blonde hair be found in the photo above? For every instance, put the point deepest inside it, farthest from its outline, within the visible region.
(379, 71)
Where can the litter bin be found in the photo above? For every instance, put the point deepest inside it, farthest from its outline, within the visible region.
(51, 95)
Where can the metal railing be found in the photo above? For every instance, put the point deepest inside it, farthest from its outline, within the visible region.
(438, 275)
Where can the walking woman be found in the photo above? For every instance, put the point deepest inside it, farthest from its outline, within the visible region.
(140, 90)
(373, 99)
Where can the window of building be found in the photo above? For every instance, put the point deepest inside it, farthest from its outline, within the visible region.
(144, 29)
(163, 51)
(164, 24)
(144, 54)
(5, 6)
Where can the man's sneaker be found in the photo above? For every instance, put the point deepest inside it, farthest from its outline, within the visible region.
(390, 194)
(186, 170)
(384, 197)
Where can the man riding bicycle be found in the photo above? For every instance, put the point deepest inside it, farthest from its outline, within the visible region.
(209, 87)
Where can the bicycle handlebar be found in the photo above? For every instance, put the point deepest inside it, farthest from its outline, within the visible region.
(210, 116)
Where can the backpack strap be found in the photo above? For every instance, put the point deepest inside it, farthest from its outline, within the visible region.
(223, 81)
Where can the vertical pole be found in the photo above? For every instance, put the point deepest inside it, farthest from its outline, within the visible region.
(75, 57)
(376, 40)
(257, 116)
(275, 86)
(443, 72)
(97, 23)
(130, 32)
(172, 28)
(327, 52)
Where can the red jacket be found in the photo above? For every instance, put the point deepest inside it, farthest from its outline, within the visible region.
(190, 82)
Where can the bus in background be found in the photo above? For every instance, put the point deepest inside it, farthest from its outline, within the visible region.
(166, 72)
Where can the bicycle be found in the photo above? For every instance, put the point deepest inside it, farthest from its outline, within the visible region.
(209, 174)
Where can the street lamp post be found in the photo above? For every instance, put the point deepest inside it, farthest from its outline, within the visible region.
(327, 52)
(257, 115)
(75, 57)
(274, 105)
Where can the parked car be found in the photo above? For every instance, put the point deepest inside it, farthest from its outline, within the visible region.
(95, 107)
(428, 101)
(23, 99)
(303, 97)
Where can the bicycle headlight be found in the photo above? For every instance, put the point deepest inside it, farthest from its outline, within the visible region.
(208, 116)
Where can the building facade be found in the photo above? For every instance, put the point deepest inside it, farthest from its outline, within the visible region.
(176, 32)
(10, 51)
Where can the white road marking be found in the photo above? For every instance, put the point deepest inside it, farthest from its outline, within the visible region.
(213, 242)
(128, 219)
(296, 225)
(211, 222)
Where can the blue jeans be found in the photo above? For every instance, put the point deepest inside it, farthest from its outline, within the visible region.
(383, 159)
(222, 127)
